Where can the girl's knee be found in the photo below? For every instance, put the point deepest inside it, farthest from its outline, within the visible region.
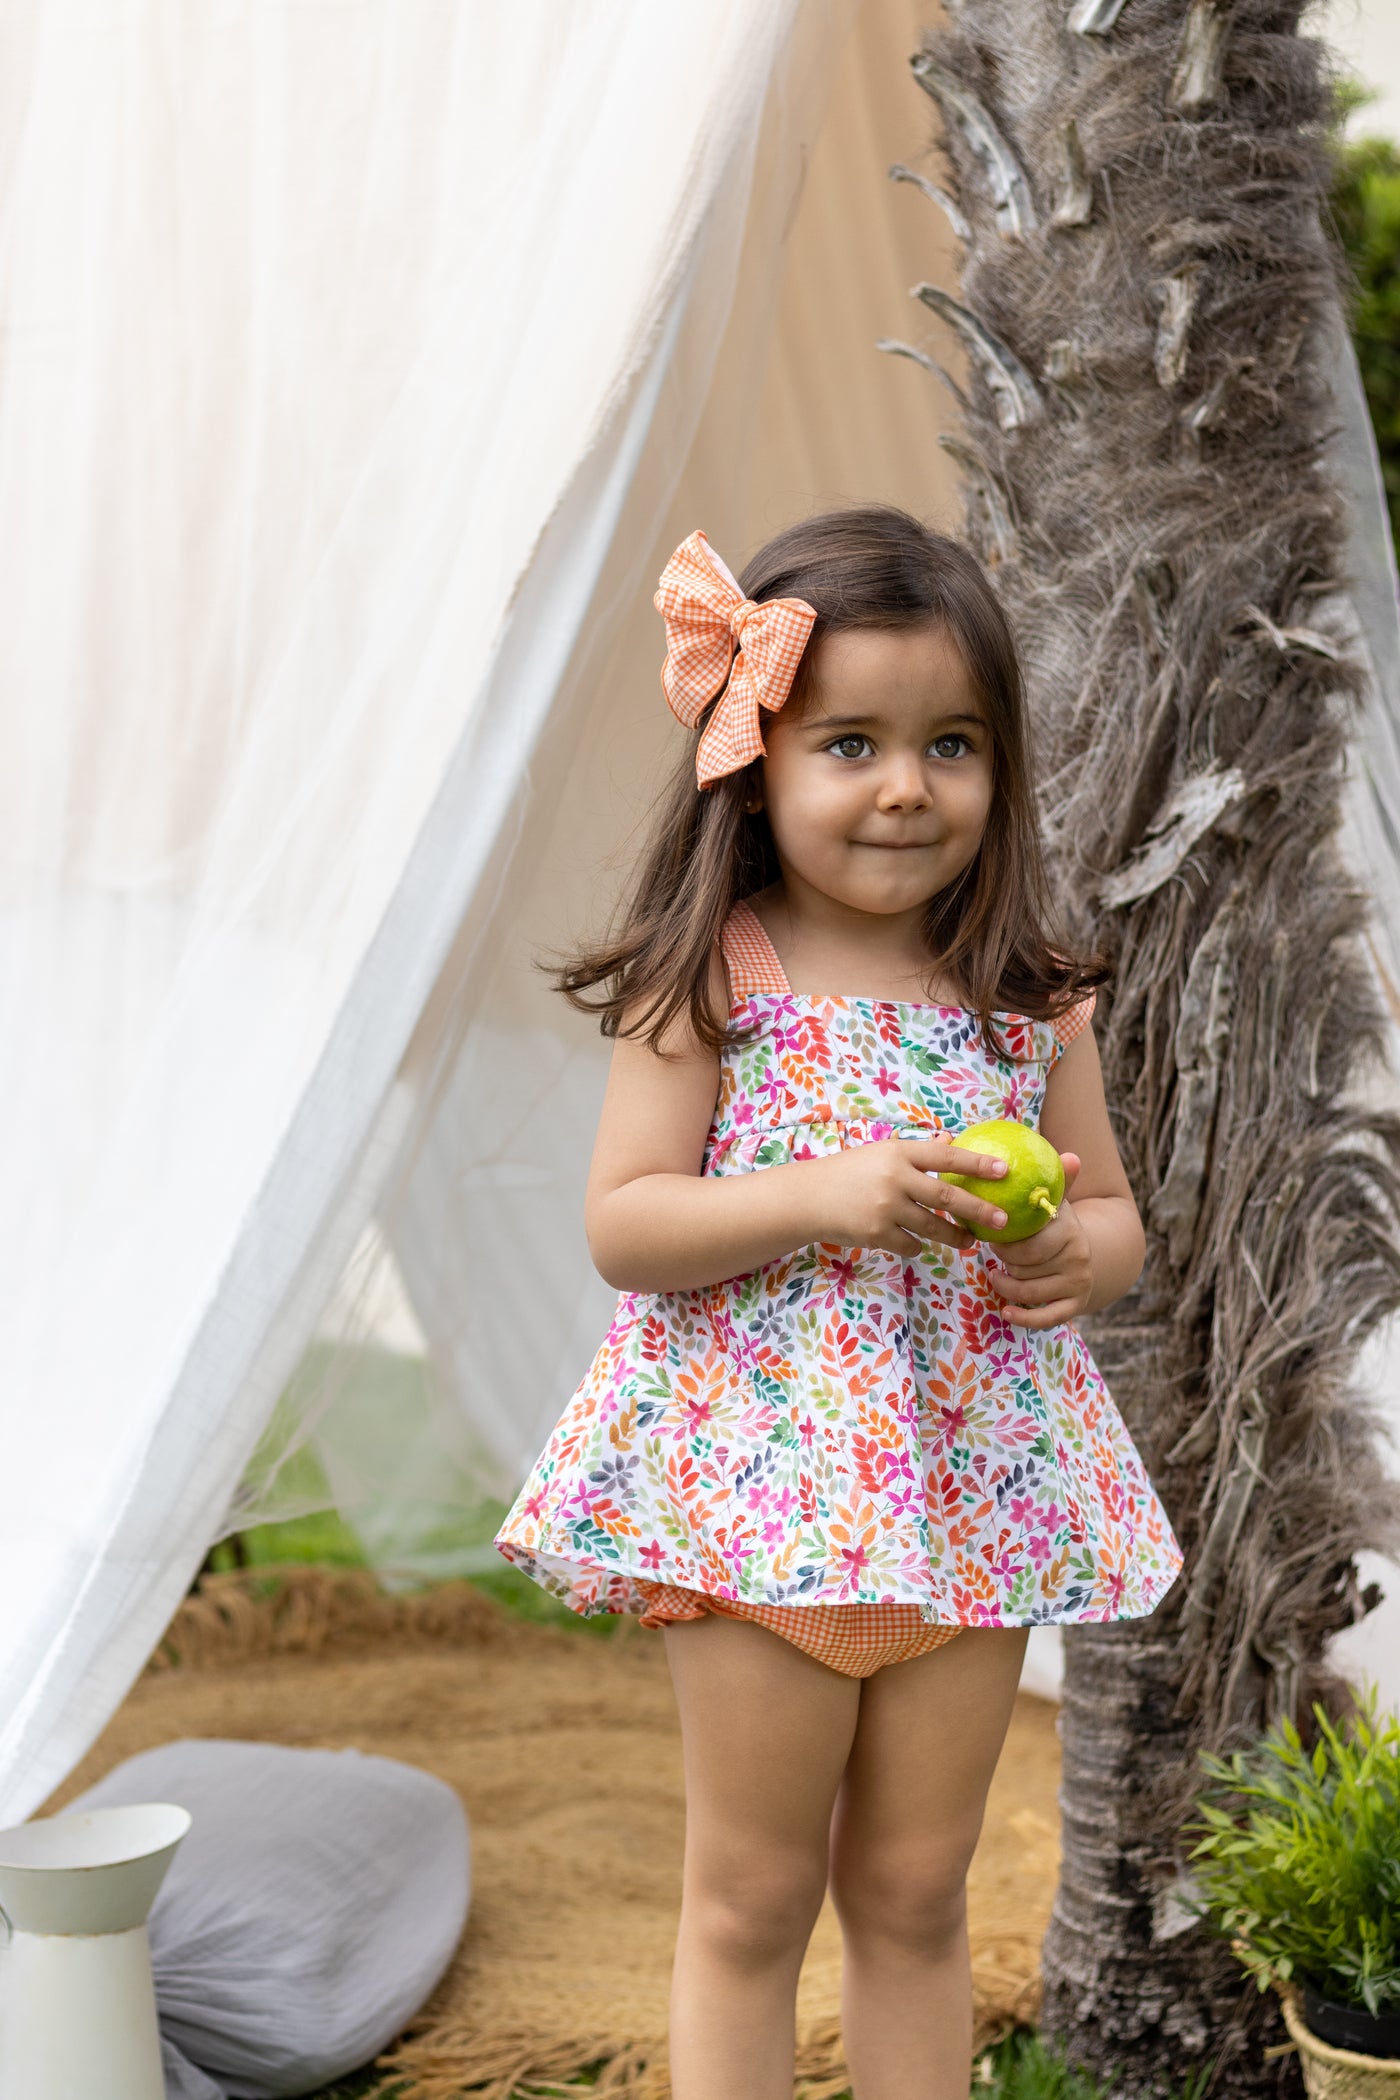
(904, 1896)
(760, 1911)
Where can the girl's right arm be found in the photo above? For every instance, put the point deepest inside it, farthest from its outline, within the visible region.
(655, 1224)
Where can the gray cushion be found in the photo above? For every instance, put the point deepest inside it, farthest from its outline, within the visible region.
(315, 1903)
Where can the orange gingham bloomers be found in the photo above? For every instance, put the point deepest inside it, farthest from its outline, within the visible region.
(707, 619)
(840, 1426)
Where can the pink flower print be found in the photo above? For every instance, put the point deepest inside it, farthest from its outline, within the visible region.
(742, 1113)
(807, 1430)
(1018, 1097)
(1021, 1510)
(786, 1503)
(1050, 1518)
(743, 1354)
(652, 1554)
(774, 1534)
(886, 1080)
(952, 1420)
(1038, 1548)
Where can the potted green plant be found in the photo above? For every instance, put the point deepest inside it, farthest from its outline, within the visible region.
(1297, 1861)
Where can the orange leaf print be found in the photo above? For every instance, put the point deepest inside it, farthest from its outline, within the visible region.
(702, 1389)
(615, 1521)
(869, 1458)
(975, 1579)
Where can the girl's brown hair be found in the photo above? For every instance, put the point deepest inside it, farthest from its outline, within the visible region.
(990, 929)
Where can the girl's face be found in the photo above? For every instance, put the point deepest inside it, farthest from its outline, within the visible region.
(878, 792)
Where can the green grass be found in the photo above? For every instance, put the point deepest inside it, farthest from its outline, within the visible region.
(323, 1537)
(380, 1407)
(326, 1539)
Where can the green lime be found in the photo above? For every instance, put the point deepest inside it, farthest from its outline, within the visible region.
(1033, 1186)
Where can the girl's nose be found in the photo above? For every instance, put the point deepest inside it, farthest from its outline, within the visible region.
(904, 785)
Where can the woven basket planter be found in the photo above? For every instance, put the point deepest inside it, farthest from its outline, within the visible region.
(1338, 2074)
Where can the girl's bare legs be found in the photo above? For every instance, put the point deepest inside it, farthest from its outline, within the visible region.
(906, 1823)
(766, 1734)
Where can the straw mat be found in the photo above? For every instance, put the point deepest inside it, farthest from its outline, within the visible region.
(566, 1754)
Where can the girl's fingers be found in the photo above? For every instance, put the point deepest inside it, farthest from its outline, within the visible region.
(941, 1156)
(1027, 1290)
(962, 1205)
(1054, 1315)
(1016, 1259)
(929, 1226)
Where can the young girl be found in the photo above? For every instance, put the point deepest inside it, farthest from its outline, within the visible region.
(843, 1451)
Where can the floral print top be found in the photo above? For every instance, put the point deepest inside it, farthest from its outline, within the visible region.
(843, 1426)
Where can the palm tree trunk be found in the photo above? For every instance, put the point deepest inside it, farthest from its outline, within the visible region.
(1146, 288)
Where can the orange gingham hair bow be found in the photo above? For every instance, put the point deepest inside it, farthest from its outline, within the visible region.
(719, 641)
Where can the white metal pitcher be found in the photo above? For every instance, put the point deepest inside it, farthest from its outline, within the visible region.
(77, 2003)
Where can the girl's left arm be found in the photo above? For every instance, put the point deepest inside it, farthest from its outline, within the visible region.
(1093, 1251)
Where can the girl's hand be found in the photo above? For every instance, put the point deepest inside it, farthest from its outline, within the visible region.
(887, 1194)
(1048, 1278)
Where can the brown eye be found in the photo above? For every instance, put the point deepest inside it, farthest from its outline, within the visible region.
(849, 746)
(951, 746)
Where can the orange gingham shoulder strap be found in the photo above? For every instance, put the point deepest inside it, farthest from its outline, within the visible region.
(1074, 1020)
(748, 956)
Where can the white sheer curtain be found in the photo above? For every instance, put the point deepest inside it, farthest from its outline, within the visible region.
(335, 343)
